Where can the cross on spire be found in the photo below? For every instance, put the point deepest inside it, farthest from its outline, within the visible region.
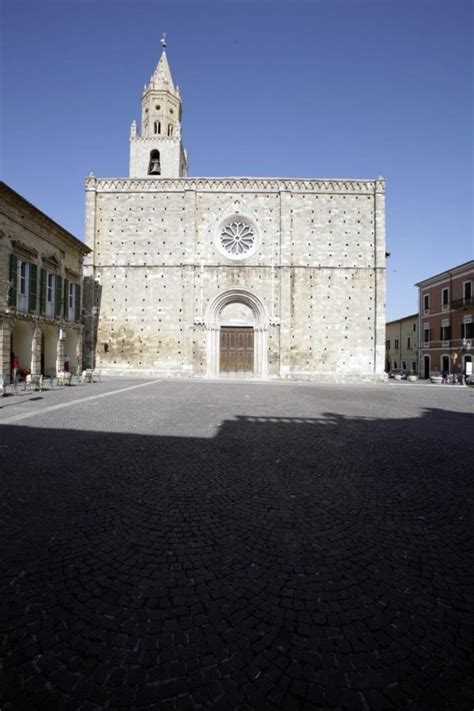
(163, 40)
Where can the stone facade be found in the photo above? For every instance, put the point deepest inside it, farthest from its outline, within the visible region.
(401, 344)
(40, 296)
(300, 263)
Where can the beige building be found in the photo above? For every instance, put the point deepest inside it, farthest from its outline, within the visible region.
(40, 292)
(219, 277)
(401, 344)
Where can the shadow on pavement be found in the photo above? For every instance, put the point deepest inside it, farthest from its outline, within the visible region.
(283, 562)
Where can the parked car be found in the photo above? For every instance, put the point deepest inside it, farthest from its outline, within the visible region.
(398, 371)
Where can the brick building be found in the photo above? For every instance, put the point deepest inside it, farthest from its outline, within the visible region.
(216, 277)
(401, 344)
(446, 318)
(40, 289)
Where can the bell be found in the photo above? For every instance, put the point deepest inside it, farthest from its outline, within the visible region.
(155, 167)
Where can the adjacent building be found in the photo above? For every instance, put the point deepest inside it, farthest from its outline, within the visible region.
(401, 344)
(40, 290)
(239, 276)
(446, 318)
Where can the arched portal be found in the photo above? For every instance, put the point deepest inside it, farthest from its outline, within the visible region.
(237, 333)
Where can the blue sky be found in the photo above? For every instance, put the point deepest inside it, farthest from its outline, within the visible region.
(328, 88)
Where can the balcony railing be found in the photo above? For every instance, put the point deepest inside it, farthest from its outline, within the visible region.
(465, 303)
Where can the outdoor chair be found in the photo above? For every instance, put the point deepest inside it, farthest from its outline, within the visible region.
(34, 381)
(87, 375)
(64, 377)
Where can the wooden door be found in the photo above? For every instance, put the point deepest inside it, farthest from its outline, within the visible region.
(236, 350)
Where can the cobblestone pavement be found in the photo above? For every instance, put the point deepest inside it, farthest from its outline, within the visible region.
(190, 545)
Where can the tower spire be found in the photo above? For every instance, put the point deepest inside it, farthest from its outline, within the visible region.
(158, 152)
(162, 78)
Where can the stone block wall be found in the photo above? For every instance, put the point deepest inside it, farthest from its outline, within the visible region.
(317, 267)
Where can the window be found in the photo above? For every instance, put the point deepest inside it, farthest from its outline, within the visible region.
(404, 365)
(396, 344)
(23, 279)
(73, 302)
(467, 330)
(157, 127)
(445, 298)
(413, 367)
(408, 343)
(387, 345)
(467, 290)
(50, 294)
(170, 130)
(426, 333)
(414, 327)
(445, 333)
(426, 302)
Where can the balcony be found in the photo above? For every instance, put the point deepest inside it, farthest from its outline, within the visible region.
(466, 303)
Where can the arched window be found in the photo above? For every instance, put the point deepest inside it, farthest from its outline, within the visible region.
(157, 127)
(170, 129)
(154, 167)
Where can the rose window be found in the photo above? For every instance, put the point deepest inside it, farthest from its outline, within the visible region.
(237, 238)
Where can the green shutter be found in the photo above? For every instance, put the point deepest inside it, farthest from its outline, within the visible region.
(58, 292)
(13, 280)
(77, 304)
(43, 291)
(33, 288)
(66, 299)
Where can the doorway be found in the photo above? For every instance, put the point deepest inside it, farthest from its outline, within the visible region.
(236, 349)
(426, 364)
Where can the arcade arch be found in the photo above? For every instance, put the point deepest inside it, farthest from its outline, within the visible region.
(22, 343)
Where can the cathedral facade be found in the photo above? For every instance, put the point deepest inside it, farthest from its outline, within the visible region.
(230, 277)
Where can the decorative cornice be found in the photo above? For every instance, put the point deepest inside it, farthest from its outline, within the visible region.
(51, 261)
(276, 185)
(24, 249)
(72, 275)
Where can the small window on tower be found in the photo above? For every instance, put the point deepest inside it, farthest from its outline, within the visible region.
(154, 167)
(157, 127)
(170, 130)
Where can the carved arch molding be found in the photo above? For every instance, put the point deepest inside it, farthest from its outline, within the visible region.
(212, 323)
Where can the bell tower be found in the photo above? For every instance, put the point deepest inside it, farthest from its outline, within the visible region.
(158, 152)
